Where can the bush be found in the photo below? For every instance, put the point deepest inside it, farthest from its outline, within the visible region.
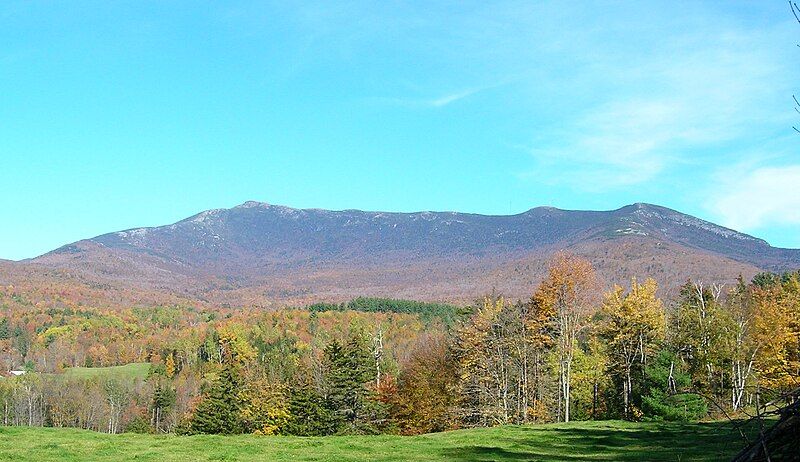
(138, 424)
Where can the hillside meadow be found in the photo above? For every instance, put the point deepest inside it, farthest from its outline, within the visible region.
(128, 371)
(579, 441)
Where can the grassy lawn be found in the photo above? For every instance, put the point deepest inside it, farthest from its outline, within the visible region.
(589, 441)
(128, 371)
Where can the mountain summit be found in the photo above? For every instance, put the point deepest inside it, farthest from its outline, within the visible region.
(284, 252)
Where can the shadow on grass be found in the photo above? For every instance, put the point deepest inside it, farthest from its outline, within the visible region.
(648, 441)
(486, 453)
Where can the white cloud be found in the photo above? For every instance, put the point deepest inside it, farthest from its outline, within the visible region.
(619, 144)
(755, 198)
(695, 94)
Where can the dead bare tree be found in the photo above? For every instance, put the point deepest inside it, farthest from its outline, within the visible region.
(796, 12)
(780, 441)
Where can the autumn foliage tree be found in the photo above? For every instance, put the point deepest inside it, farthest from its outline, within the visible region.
(777, 334)
(424, 398)
(704, 335)
(488, 349)
(634, 326)
(568, 295)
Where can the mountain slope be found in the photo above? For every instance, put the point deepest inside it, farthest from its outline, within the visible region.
(257, 250)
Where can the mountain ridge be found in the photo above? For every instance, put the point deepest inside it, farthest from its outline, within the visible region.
(256, 247)
(636, 207)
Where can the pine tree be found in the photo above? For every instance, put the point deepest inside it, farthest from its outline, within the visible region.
(22, 341)
(4, 330)
(163, 400)
(664, 380)
(220, 410)
(351, 402)
(308, 414)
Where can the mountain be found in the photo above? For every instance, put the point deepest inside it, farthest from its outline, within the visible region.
(262, 253)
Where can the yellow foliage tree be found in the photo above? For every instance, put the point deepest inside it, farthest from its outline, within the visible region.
(777, 334)
(169, 365)
(568, 295)
(266, 409)
(234, 345)
(634, 326)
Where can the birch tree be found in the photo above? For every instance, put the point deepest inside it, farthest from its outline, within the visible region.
(634, 326)
(569, 291)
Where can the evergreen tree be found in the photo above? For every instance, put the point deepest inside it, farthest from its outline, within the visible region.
(138, 424)
(308, 413)
(219, 411)
(350, 400)
(5, 332)
(766, 280)
(22, 341)
(664, 381)
(163, 401)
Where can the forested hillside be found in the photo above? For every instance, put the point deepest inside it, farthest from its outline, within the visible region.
(569, 351)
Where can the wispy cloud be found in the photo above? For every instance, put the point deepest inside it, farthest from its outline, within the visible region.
(435, 102)
(751, 199)
(451, 98)
(618, 144)
(673, 108)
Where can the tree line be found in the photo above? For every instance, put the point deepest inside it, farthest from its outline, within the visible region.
(569, 352)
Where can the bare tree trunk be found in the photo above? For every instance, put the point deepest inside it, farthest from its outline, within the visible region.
(627, 386)
(378, 355)
(30, 412)
(567, 370)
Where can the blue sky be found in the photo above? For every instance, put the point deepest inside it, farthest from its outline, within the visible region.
(123, 114)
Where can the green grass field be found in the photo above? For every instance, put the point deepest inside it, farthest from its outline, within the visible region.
(128, 371)
(579, 441)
